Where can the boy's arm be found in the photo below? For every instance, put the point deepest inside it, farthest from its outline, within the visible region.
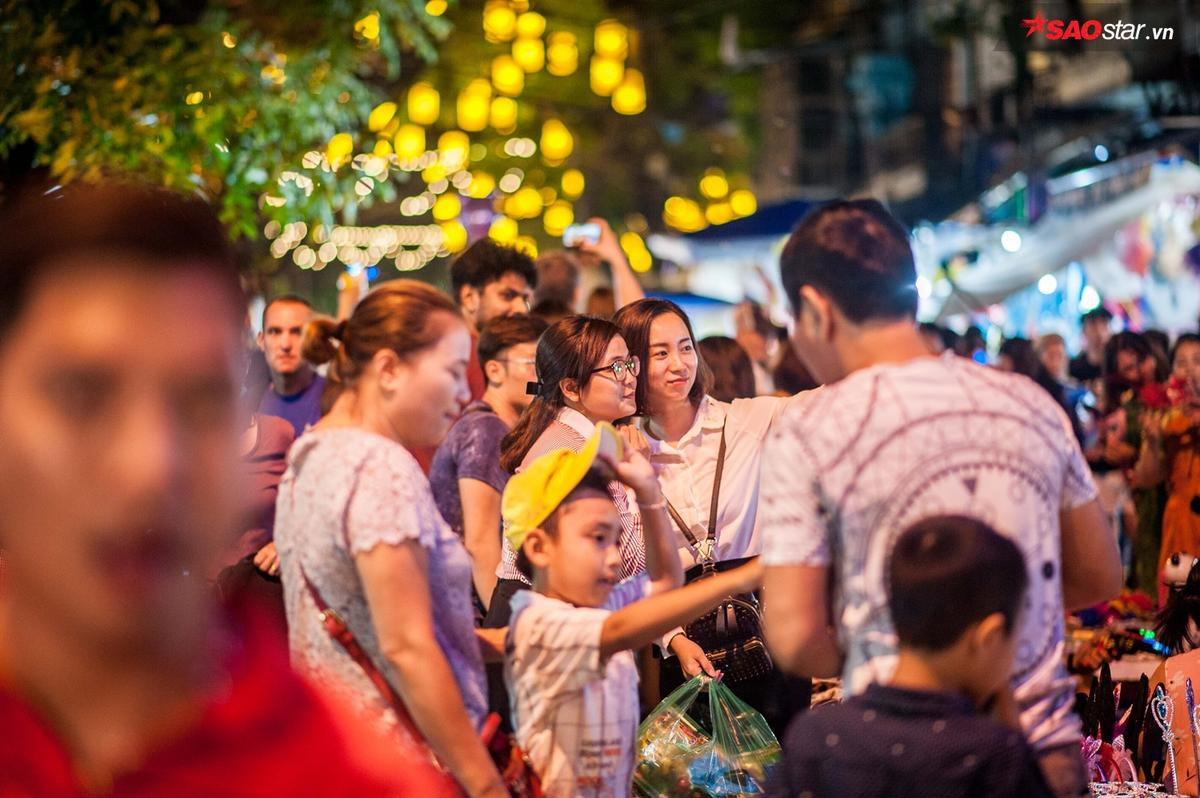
(662, 558)
(645, 621)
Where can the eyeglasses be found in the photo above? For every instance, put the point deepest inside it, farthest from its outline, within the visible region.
(619, 367)
(523, 361)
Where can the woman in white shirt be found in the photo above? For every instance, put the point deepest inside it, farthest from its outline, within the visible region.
(586, 375)
(691, 437)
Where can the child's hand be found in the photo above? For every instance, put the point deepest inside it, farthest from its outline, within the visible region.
(692, 659)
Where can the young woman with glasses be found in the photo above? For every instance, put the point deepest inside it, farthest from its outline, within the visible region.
(585, 375)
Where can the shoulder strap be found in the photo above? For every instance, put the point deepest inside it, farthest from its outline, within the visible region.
(716, 491)
(336, 626)
(679, 522)
(712, 507)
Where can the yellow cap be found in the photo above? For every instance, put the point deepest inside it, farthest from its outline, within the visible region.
(532, 495)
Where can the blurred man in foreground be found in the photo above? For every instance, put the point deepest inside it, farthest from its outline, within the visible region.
(120, 312)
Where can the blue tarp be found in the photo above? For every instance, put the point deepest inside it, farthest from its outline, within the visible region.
(772, 220)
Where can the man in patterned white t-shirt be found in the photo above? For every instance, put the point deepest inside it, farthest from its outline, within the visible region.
(897, 435)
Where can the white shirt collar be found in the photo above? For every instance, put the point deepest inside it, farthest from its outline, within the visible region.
(710, 415)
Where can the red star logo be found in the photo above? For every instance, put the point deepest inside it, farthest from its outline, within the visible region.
(1035, 25)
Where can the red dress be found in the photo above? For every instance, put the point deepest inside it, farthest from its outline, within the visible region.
(267, 733)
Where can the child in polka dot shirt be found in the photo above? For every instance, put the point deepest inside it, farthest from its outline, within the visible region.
(935, 730)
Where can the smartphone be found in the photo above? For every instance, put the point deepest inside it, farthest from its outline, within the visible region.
(576, 234)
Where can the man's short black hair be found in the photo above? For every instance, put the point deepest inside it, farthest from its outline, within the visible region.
(506, 331)
(1098, 314)
(152, 228)
(292, 298)
(858, 255)
(485, 262)
(950, 572)
(595, 480)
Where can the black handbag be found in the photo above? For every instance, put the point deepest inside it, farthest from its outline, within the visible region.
(730, 635)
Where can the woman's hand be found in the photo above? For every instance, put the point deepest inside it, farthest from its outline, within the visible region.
(608, 247)
(1152, 426)
(692, 659)
(635, 471)
(491, 644)
(634, 439)
(266, 559)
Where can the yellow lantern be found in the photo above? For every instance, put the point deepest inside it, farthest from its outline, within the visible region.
(718, 213)
(684, 215)
(453, 146)
(563, 54)
(525, 204)
(503, 229)
(557, 142)
(640, 259)
(433, 174)
(474, 102)
(557, 217)
(629, 98)
(612, 39)
(572, 183)
(507, 75)
(380, 116)
(713, 185)
(527, 245)
(447, 207)
(482, 184)
(530, 54)
(531, 25)
(409, 141)
(499, 21)
(503, 115)
(743, 202)
(368, 26)
(454, 236)
(424, 104)
(606, 74)
(337, 152)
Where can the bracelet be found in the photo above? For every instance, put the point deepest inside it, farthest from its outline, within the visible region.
(661, 504)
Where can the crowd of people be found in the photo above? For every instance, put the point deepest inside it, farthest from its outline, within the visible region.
(379, 552)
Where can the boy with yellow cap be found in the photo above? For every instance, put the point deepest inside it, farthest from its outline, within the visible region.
(569, 663)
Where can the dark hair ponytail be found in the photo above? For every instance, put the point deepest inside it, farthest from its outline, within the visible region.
(405, 316)
(569, 349)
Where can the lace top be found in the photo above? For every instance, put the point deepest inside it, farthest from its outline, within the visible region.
(346, 491)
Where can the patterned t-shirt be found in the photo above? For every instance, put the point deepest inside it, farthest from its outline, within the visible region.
(575, 714)
(854, 464)
(346, 491)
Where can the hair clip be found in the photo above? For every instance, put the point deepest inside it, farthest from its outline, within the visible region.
(533, 388)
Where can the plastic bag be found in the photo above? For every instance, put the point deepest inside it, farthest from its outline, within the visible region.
(684, 752)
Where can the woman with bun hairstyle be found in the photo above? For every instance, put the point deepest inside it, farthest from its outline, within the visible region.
(585, 375)
(357, 526)
(689, 437)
